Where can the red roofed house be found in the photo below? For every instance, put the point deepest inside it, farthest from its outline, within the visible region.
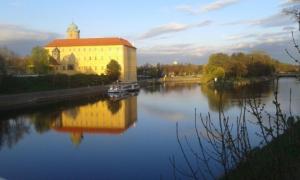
(91, 55)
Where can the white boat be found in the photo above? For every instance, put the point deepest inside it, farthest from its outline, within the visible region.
(123, 87)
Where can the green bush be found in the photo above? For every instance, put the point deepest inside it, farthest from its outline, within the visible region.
(11, 84)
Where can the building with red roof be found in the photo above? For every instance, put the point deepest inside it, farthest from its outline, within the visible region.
(91, 55)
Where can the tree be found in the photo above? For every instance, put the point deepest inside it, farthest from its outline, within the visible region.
(218, 59)
(2, 66)
(113, 70)
(39, 60)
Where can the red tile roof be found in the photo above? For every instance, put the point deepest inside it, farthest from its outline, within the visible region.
(90, 130)
(89, 42)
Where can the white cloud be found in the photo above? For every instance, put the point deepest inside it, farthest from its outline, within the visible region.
(10, 32)
(290, 2)
(259, 37)
(176, 49)
(218, 4)
(21, 40)
(171, 28)
(275, 20)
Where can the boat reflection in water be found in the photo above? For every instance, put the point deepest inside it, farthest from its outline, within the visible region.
(122, 95)
(102, 117)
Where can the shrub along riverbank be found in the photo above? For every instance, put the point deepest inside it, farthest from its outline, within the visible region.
(278, 160)
(12, 84)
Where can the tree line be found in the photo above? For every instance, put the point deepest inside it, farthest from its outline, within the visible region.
(241, 65)
(160, 70)
(39, 63)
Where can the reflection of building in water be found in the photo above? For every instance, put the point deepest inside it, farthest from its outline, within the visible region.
(111, 117)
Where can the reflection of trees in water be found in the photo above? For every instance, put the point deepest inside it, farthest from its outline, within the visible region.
(228, 97)
(169, 87)
(42, 121)
(12, 130)
(114, 106)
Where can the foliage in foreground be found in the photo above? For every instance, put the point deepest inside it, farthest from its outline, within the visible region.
(226, 142)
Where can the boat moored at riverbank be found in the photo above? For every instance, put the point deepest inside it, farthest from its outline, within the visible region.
(123, 87)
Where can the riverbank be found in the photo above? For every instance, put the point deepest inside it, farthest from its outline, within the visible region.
(36, 99)
(11, 102)
(39, 83)
(175, 79)
(239, 82)
(278, 160)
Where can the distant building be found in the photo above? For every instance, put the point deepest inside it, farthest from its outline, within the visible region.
(91, 55)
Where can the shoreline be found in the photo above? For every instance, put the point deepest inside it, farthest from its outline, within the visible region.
(14, 102)
(240, 82)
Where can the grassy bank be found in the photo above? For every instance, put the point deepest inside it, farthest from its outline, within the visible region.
(12, 85)
(278, 160)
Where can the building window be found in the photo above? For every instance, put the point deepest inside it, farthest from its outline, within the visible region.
(70, 67)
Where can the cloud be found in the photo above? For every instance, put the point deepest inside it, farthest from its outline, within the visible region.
(21, 40)
(272, 43)
(10, 32)
(218, 4)
(279, 19)
(275, 20)
(171, 28)
(259, 37)
(176, 49)
(290, 2)
(183, 53)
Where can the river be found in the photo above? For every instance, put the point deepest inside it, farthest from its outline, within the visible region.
(133, 138)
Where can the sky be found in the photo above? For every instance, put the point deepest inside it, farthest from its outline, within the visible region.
(163, 31)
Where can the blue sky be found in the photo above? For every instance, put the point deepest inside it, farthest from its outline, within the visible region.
(163, 31)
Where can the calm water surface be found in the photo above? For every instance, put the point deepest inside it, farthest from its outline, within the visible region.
(127, 139)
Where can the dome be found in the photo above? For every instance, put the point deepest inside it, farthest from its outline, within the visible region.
(73, 27)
